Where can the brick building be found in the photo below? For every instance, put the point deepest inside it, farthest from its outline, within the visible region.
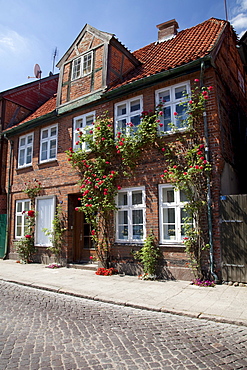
(99, 74)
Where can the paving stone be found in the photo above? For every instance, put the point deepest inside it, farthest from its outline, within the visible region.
(46, 330)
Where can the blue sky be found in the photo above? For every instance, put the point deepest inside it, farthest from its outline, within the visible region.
(30, 30)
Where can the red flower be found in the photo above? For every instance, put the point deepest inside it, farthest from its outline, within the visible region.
(175, 113)
(158, 120)
(28, 236)
(210, 88)
(174, 166)
(196, 80)
(103, 139)
(31, 213)
(91, 131)
(161, 124)
(119, 187)
(76, 209)
(190, 102)
(163, 149)
(93, 232)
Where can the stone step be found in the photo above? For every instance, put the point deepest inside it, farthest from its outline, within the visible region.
(84, 266)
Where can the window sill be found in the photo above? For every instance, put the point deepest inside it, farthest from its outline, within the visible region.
(51, 161)
(27, 167)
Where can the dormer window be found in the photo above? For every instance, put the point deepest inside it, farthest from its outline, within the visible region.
(82, 66)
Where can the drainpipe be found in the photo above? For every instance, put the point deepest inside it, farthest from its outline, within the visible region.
(8, 196)
(209, 198)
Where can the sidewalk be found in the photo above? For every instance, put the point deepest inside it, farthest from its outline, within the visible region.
(221, 303)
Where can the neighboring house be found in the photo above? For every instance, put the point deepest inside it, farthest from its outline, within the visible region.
(99, 74)
(15, 105)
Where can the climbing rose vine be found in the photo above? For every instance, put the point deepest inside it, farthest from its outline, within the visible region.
(104, 159)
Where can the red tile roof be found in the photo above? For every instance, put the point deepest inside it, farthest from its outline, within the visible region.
(46, 108)
(190, 44)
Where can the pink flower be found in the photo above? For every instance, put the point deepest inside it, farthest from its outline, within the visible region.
(103, 139)
(191, 102)
(210, 88)
(119, 187)
(174, 166)
(91, 257)
(76, 209)
(163, 149)
(158, 120)
(205, 162)
(196, 80)
(160, 113)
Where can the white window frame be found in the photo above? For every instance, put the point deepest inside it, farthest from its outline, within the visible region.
(178, 206)
(44, 220)
(49, 139)
(81, 67)
(173, 105)
(128, 116)
(80, 125)
(130, 208)
(24, 206)
(27, 149)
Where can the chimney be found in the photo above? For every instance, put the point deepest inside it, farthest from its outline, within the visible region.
(167, 30)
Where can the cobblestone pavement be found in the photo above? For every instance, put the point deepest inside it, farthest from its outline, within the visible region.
(45, 330)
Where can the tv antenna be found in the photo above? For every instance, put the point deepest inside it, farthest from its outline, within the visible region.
(55, 53)
(37, 72)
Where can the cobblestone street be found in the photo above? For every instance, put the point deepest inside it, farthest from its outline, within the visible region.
(46, 330)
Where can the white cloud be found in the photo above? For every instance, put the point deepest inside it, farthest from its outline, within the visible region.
(13, 43)
(239, 19)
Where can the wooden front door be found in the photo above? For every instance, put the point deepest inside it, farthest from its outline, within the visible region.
(82, 241)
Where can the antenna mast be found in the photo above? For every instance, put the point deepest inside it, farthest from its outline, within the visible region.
(54, 58)
(226, 10)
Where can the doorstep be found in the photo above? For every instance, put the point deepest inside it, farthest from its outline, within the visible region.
(84, 266)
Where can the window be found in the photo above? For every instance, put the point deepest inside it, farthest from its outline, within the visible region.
(83, 124)
(130, 218)
(82, 66)
(128, 115)
(45, 207)
(25, 150)
(48, 144)
(22, 206)
(172, 214)
(173, 112)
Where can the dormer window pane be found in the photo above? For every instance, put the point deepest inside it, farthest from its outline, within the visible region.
(76, 69)
(87, 64)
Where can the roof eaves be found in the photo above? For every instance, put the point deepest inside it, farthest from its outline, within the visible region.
(30, 124)
(153, 79)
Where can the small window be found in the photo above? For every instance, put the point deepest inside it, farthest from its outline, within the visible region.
(22, 206)
(172, 214)
(48, 144)
(82, 66)
(130, 217)
(25, 154)
(174, 113)
(128, 115)
(82, 124)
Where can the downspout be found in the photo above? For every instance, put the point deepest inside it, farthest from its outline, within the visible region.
(8, 196)
(209, 198)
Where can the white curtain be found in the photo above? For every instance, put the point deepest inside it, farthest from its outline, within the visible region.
(45, 215)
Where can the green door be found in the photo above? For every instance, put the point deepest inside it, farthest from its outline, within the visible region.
(3, 223)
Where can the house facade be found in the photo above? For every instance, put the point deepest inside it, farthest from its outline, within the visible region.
(97, 75)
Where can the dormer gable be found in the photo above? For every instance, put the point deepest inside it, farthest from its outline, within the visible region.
(92, 63)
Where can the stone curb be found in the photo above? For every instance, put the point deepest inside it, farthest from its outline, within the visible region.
(195, 315)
